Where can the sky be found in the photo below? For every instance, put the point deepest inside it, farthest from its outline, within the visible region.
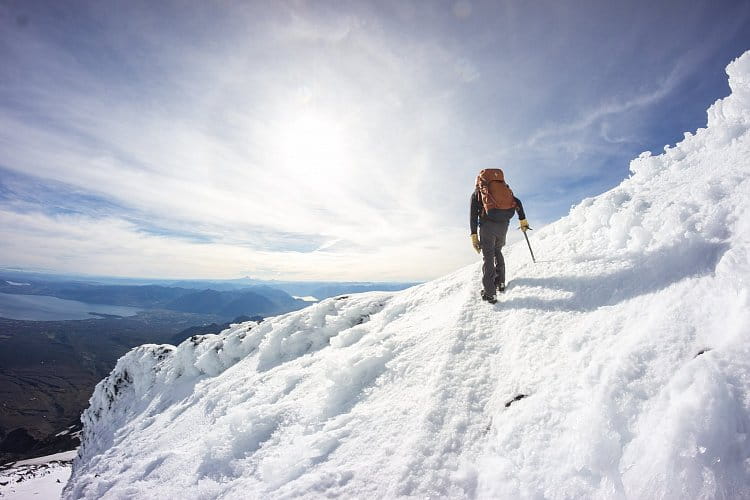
(324, 140)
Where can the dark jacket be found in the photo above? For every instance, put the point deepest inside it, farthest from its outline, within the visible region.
(495, 214)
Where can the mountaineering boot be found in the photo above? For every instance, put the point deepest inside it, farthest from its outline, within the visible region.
(488, 298)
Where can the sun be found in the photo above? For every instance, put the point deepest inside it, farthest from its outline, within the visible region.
(312, 146)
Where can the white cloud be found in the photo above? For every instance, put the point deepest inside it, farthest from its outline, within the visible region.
(359, 132)
(289, 146)
(114, 247)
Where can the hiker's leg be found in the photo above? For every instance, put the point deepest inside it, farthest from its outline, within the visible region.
(499, 260)
(499, 265)
(487, 239)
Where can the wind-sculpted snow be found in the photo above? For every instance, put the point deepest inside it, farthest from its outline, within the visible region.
(155, 371)
(618, 366)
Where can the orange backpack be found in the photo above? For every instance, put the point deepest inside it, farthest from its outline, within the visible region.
(493, 191)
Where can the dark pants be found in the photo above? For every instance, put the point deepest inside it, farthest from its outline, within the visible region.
(491, 240)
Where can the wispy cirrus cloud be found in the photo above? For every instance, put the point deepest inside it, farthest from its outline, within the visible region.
(310, 139)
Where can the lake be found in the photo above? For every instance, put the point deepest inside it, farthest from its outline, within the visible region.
(45, 308)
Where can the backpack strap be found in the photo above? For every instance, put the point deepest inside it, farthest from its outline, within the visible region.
(486, 184)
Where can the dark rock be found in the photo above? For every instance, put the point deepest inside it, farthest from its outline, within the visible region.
(517, 398)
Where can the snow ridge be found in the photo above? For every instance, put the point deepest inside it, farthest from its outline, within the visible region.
(158, 369)
(618, 366)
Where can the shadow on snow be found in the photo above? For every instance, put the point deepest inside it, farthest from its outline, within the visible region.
(655, 271)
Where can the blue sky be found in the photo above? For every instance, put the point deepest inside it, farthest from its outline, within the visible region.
(328, 140)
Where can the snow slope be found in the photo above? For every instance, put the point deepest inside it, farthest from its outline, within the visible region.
(42, 477)
(629, 341)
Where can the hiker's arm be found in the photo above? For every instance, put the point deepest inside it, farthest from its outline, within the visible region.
(475, 208)
(519, 209)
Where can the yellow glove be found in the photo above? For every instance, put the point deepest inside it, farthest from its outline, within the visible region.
(524, 225)
(475, 242)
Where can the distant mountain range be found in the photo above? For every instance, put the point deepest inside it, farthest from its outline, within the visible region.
(256, 300)
(227, 299)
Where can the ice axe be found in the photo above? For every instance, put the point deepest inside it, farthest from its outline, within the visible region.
(529, 244)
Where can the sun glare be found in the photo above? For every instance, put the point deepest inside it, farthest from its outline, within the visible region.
(312, 146)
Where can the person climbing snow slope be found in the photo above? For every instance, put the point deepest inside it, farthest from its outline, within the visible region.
(492, 206)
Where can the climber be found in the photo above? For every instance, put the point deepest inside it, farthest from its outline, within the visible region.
(492, 207)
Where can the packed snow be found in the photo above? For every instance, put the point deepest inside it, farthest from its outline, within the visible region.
(42, 477)
(617, 366)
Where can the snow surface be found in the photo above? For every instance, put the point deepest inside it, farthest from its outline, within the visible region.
(618, 366)
(36, 478)
(13, 283)
(306, 298)
(63, 456)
